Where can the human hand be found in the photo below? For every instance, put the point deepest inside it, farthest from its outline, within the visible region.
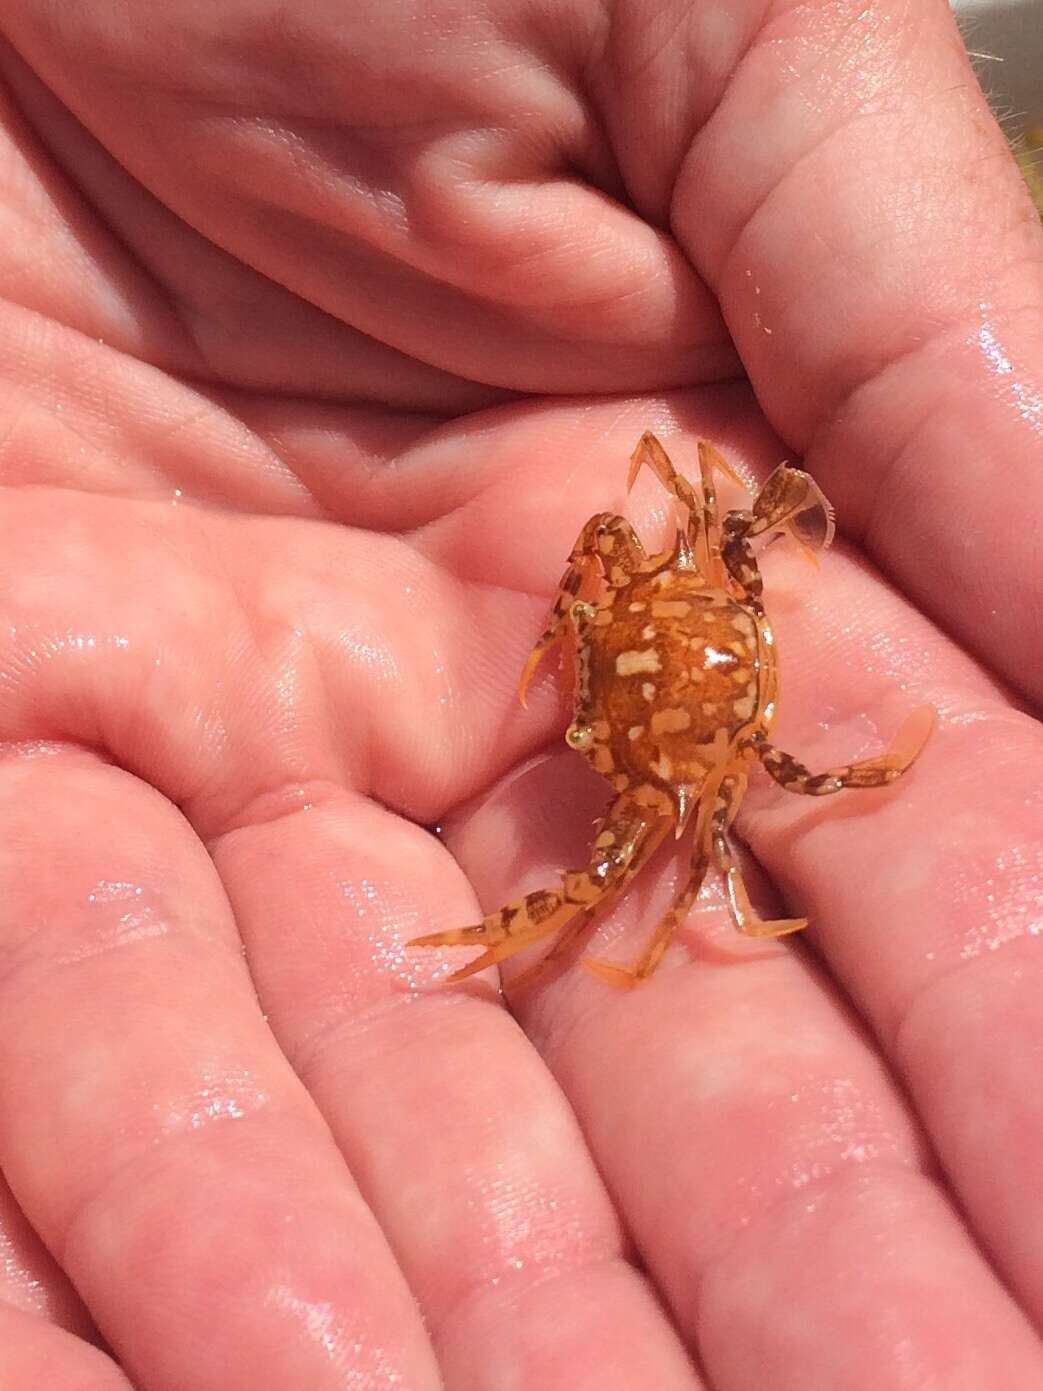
(288, 323)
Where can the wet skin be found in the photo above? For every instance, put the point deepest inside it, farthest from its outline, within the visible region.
(306, 394)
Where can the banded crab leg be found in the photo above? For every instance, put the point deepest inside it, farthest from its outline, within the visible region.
(867, 772)
(626, 838)
(608, 542)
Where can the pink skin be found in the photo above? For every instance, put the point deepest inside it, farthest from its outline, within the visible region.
(289, 295)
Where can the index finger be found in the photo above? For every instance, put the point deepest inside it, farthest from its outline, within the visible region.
(880, 266)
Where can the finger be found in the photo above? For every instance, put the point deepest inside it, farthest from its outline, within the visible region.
(934, 927)
(880, 266)
(34, 1353)
(149, 1126)
(509, 269)
(760, 1155)
(139, 289)
(30, 1279)
(460, 1141)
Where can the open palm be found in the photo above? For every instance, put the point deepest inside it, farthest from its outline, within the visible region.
(324, 328)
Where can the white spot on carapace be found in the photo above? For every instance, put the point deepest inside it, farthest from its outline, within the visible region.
(636, 607)
(635, 731)
(711, 754)
(670, 608)
(714, 657)
(633, 663)
(744, 708)
(648, 632)
(602, 759)
(670, 721)
(604, 840)
(664, 768)
(648, 691)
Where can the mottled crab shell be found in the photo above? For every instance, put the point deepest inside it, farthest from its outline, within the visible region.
(669, 674)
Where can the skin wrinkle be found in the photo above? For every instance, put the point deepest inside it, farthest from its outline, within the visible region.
(815, 1188)
(149, 1161)
(479, 246)
(923, 1001)
(649, 185)
(99, 181)
(860, 375)
(524, 1280)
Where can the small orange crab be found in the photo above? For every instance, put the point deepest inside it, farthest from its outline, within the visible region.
(676, 686)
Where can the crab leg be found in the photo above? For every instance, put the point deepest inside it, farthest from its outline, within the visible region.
(512, 929)
(627, 976)
(739, 906)
(626, 838)
(607, 539)
(581, 923)
(649, 451)
(703, 529)
(710, 461)
(868, 772)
